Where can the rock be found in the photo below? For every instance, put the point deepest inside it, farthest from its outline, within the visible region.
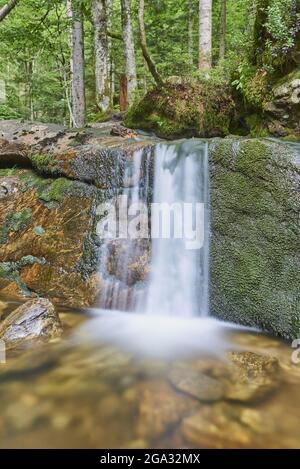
(122, 131)
(12, 154)
(185, 109)
(159, 408)
(252, 376)
(284, 108)
(34, 321)
(219, 426)
(196, 383)
(9, 186)
(53, 224)
(255, 258)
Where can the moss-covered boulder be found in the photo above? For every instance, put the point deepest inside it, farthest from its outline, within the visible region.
(255, 259)
(186, 109)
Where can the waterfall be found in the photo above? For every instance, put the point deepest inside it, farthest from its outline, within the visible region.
(179, 279)
(118, 254)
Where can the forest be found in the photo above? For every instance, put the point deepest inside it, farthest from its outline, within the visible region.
(77, 62)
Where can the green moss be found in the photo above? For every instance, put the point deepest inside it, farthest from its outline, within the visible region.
(188, 109)
(56, 191)
(10, 271)
(254, 250)
(20, 220)
(40, 162)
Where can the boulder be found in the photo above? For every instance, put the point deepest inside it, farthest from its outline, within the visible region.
(185, 109)
(255, 258)
(283, 111)
(34, 321)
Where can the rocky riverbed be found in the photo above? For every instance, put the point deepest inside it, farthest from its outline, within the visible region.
(78, 394)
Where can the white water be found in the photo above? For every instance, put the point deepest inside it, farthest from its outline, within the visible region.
(177, 322)
(179, 280)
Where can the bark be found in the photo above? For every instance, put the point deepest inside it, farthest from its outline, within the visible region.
(109, 13)
(222, 30)
(130, 64)
(7, 8)
(123, 92)
(101, 47)
(190, 32)
(68, 90)
(144, 47)
(205, 34)
(78, 91)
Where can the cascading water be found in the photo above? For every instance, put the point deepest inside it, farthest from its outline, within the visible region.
(179, 276)
(118, 254)
(172, 314)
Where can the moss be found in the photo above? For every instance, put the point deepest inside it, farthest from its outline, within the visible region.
(40, 162)
(254, 250)
(10, 271)
(20, 220)
(56, 191)
(185, 109)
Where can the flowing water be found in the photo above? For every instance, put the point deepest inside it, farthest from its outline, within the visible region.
(165, 379)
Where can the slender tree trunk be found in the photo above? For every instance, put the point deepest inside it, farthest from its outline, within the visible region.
(205, 34)
(222, 30)
(78, 92)
(129, 50)
(68, 88)
(144, 47)
(109, 13)
(190, 31)
(6, 9)
(101, 46)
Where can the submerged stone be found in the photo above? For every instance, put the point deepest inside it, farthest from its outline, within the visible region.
(252, 376)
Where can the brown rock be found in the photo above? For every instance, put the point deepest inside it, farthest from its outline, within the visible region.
(252, 376)
(196, 383)
(161, 407)
(34, 321)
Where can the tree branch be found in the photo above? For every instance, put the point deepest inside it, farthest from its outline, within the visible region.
(7, 8)
(145, 51)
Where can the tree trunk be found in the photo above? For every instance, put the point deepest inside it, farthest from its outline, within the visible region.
(101, 46)
(78, 92)
(67, 82)
(144, 47)
(6, 9)
(222, 30)
(205, 34)
(123, 92)
(109, 13)
(190, 32)
(129, 50)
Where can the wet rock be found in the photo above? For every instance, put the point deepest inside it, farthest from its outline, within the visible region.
(254, 254)
(160, 407)
(53, 220)
(35, 321)
(252, 376)
(196, 383)
(218, 426)
(9, 186)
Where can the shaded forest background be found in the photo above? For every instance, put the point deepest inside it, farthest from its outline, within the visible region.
(252, 46)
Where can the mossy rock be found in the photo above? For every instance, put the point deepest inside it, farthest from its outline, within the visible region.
(200, 109)
(255, 258)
